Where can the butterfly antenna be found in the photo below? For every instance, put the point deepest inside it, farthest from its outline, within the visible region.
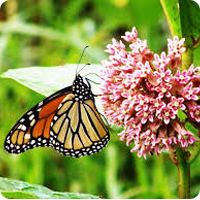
(81, 58)
(94, 74)
(93, 81)
(83, 67)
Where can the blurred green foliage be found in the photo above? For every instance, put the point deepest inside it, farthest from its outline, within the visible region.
(54, 32)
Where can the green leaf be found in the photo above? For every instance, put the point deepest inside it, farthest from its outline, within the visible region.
(190, 18)
(18, 195)
(47, 80)
(14, 189)
(191, 128)
(116, 129)
(170, 8)
(181, 115)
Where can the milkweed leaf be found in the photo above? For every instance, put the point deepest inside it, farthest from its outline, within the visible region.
(14, 189)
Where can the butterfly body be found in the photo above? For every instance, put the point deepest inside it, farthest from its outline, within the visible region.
(68, 121)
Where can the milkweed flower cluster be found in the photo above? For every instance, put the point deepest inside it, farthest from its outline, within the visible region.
(143, 92)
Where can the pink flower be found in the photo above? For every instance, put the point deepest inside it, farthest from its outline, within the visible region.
(195, 112)
(176, 103)
(163, 89)
(175, 47)
(115, 47)
(190, 92)
(130, 36)
(185, 138)
(143, 92)
(142, 70)
(182, 77)
(161, 145)
(163, 74)
(139, 47)
(162, 61)
(166, 114)
(157, 105)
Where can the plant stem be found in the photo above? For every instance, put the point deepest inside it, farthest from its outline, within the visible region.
(111, 172)
(183, 175)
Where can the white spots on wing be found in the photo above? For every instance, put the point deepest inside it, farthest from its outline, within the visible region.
(22, 120)
(32, 142)
(41, 103)
(27, 136)
(55, 117)
(51, 133)
(30, 112)
(31, 117)
(20, 126)
(59, 106)
(33, 122)
(87, 149)
(23, 128)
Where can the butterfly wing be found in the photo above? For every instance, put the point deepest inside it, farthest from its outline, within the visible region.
(67, 120)
(33, 128)
(77, 129)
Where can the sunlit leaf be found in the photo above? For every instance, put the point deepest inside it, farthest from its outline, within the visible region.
(18, 195)
(181, 115)
(14, 189)
(171, 11)
(191, 128)
(47, 80)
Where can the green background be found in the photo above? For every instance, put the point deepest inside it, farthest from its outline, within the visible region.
(52, 33)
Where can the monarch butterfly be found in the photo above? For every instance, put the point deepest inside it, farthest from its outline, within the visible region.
(67, 120)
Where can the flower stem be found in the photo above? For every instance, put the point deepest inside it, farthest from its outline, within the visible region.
(183, 175)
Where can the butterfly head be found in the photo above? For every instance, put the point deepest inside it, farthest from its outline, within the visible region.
(81, 90)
